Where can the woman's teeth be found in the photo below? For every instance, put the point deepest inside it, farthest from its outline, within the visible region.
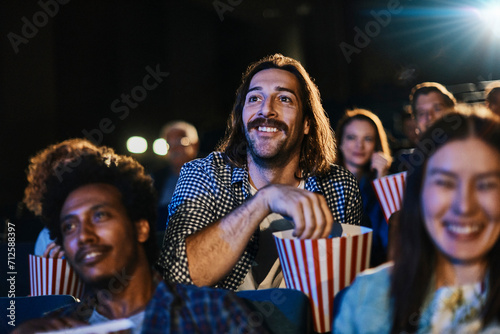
(462, 229)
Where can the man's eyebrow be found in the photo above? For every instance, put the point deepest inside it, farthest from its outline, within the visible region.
(254, 88)
(281, 89)
(66, 217)
(99, 206)
(277, 88)
(93, 208)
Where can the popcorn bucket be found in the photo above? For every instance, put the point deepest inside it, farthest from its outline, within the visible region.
(389, 190)
(53, 277)
(322, 267)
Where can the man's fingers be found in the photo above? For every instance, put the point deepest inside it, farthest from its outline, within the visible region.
(324, 219)
(299, 222)
(309, 211)
(55, 252)
(317, 218)
(58, 253)
(49, 249)
(309, 223)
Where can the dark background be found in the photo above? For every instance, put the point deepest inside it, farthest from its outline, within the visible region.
(64, 78)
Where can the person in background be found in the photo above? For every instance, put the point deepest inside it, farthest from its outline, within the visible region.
(492, 97)
(276, 161)
(409, 128)
(364, 150)
(430, 100)
(445, 277)
(183, 145)
(100, 207)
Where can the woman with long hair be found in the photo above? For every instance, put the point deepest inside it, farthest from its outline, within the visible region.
(446, 272)
(363, 149)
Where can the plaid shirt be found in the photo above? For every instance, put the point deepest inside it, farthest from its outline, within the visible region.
(208, 189)
(178, 308)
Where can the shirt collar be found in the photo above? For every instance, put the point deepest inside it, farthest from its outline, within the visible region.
(239, 175)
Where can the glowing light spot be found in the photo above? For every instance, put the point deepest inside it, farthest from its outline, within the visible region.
(491, 18)
(136, 144)
(160, 146)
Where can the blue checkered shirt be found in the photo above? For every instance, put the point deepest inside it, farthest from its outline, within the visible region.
(208, 189)
(178, 309)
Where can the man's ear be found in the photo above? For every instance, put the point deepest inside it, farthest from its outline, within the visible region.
(307, 123)
(142, 229)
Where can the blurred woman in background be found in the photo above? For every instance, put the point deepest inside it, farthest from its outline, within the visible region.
(446, 272)
(363, 149)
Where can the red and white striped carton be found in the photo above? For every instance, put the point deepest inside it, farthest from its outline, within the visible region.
(322, 267)
(389, 190)
(53, 277)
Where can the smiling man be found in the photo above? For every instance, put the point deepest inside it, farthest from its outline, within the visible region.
(102, 210)
(273, 171)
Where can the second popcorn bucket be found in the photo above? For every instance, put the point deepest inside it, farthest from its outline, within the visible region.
(50, 276)
(322, 267)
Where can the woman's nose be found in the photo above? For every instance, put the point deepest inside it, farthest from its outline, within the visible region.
(465, 200)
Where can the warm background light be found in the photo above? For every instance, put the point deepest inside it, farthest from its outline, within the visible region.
(160, 146)
(137, 144)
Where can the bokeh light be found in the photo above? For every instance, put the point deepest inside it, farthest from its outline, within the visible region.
(160, 146)
(136, 144)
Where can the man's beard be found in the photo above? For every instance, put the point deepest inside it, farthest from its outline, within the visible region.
(283, 150)
(114, 282)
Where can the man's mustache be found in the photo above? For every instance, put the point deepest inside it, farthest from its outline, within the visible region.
(270, 122)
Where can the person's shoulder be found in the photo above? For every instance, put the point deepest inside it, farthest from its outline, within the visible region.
(365, 306)
(375, 279)
(381, 272)
(214, 159)
(337, 173)
(373, 284)
(42, 241)
(215, 164)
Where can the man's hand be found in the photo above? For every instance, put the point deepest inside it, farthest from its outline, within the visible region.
(380, 163)
(47, 324)
(309, 211)
(53, 251)
(214, 250)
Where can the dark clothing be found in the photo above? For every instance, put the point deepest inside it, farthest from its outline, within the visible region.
(403, 161)
(373, 217)
(165, 180)
(177, 308)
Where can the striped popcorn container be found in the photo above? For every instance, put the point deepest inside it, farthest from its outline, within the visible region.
(53, 277)
(320, 268)
(389, 190)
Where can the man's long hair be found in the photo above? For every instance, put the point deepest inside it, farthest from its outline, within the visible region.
(317, 152)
